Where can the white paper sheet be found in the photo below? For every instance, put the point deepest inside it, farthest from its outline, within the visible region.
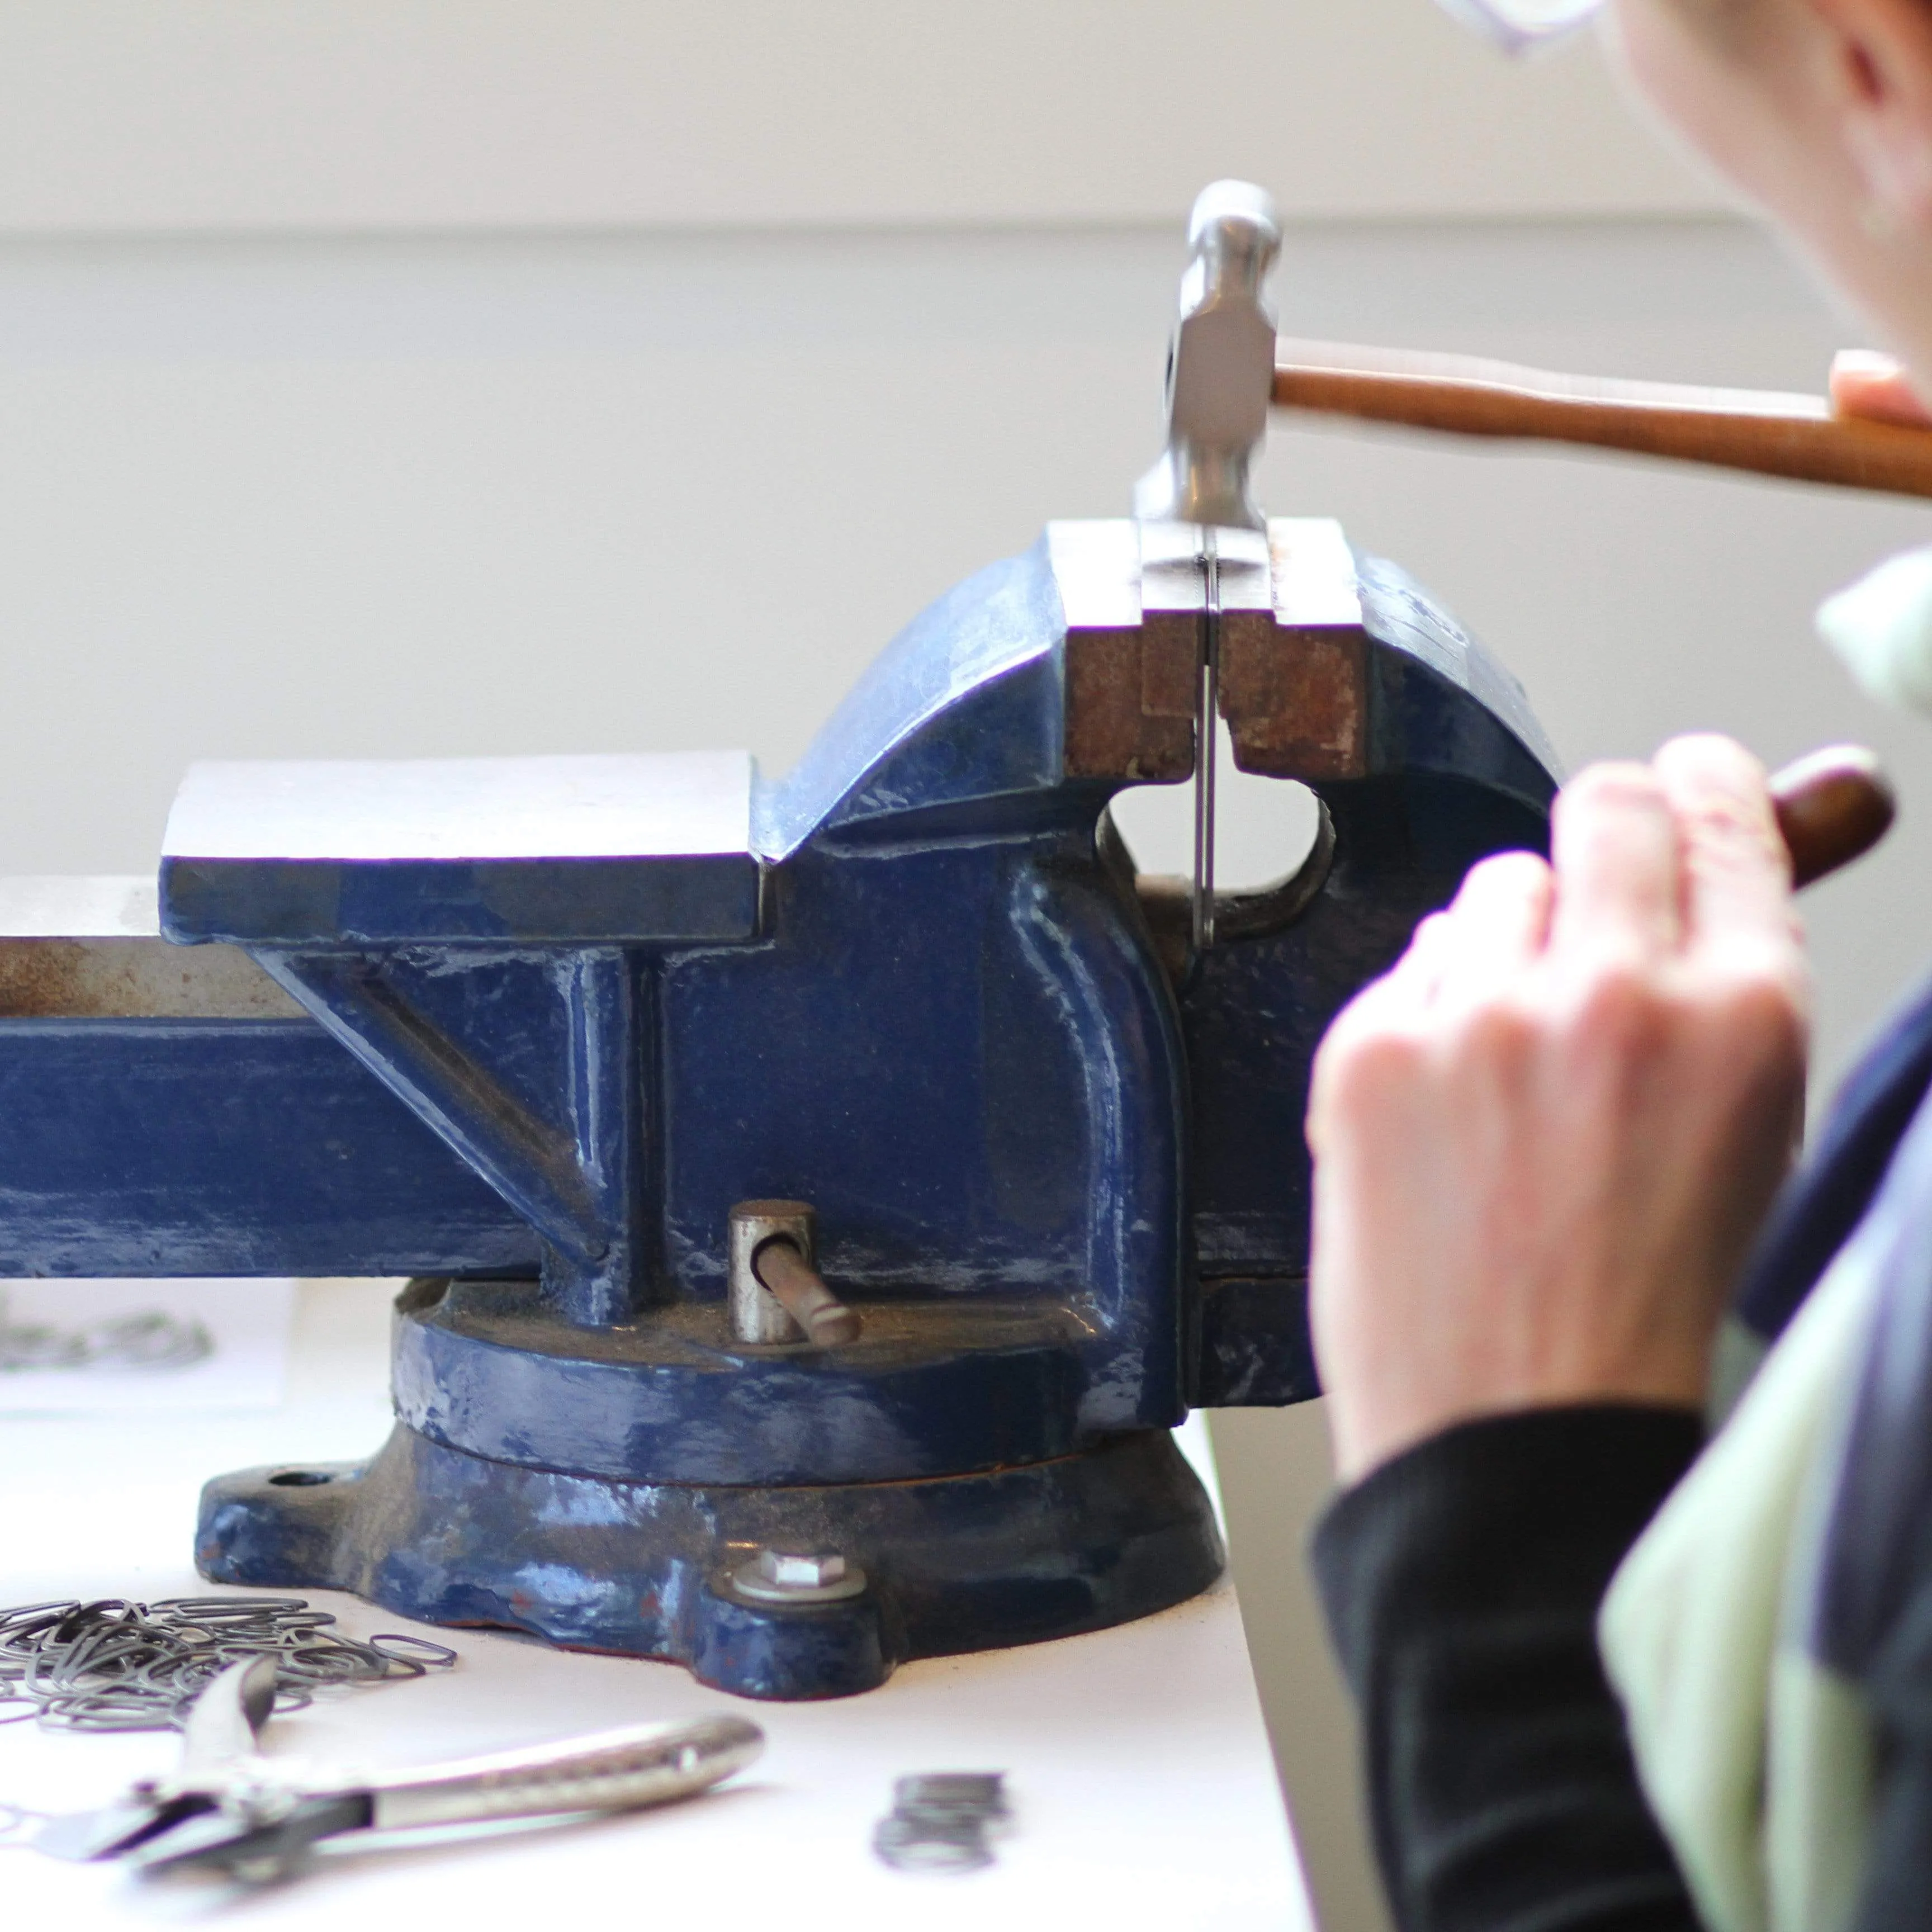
(70, 1347)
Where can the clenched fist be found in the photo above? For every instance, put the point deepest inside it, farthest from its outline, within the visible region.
(1544, 1140)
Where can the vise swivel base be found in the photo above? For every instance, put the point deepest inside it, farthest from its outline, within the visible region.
(823, 1195)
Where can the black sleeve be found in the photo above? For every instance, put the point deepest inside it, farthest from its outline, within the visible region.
(1462, 1582)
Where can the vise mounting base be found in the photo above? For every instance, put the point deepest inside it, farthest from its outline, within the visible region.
(949, 1565)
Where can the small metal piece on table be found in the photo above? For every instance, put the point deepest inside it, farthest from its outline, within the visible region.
(1220, 366)
(776, 1293)
(940, 1820)
(778, 1576)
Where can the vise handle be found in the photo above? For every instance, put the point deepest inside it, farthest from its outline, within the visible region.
(776, 1294)
(803, 1294)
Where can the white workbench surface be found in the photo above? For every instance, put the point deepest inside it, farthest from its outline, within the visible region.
(1140, 1774)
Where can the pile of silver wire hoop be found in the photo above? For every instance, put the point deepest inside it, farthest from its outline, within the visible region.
(112, 1665)
(151, 1340)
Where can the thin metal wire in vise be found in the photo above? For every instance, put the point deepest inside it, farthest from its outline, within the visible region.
(115, 1665)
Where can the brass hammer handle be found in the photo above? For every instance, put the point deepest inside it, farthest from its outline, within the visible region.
(1762, 431)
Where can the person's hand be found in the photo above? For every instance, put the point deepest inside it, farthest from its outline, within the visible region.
(1544, 1142)
(1866, 382)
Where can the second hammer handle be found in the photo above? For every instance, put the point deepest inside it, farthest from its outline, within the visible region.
(1833, 806)
(1764, 431)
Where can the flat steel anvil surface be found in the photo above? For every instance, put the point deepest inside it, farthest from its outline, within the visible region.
(529, 1030)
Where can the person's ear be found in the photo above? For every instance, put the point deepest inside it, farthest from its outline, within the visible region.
(1880, 88)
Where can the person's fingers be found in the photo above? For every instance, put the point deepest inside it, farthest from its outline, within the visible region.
(1386, 1014)
(1495, 927)
(1614, 846)
(1735, 870)
(1877, 387)
(1403, 994)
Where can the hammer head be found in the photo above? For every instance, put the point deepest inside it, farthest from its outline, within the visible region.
(1220, 367)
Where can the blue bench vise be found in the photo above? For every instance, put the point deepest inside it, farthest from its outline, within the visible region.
(822, 1196)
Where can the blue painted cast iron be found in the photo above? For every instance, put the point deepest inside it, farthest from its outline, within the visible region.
(1057, 1162)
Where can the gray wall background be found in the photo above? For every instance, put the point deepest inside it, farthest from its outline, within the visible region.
(419, 495)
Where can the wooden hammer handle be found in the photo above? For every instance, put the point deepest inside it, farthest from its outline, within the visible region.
(1833, 806)
(1760, 430)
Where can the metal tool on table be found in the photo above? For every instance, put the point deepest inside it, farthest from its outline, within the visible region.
(228, 1808)
(823, 1194)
